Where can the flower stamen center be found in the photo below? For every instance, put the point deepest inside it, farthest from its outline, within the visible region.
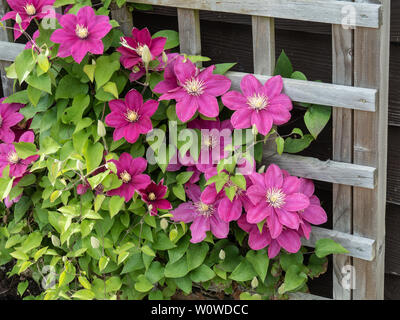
(152, 196)
(30, 9)
(209, 141)
(125, 177)
(12, 157)
(206, 210)
(194, 87)
(81, 31)
(275, 197)
(131, 116)
(258, 101)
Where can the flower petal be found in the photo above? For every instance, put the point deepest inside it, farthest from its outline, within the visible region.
(250, 85)
(199, 228)
(234, 100)
(289, 240)
(296, 202)
(273, 177)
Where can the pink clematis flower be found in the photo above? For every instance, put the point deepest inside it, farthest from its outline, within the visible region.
(132, 47)
(215, 136)
(9, 202)
(277, 199)
(170, 81)
(130, 171)
(81, 33)
(314, 213)
(288, 239)
(196, 91)
(9, 117)
(259, 105)
(8, 156)
(153, 195)
(204, 216)
(28, 10)
(177, 162)
(131, 117)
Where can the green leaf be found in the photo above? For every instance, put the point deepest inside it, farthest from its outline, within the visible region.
(33, 95)
(297, 145)
(177, 269)
(89, 70)
(49, 146)
(294, 278)
(93, 155)
(280, 143)
(316, 119)
(22, 286)
(289, 259)
(239, 180)
(172, 38)
(143, 284)
(105, 67)
(25, 149)
(283, 66)
(184, 283)
(84, 294)
(43, 62)
(324, 247)
(196, 254)
(202, 274)
(42, 82)
(33, 241)
(222, 68)
(230, 192)
(147, 250)
(298, 76)
(184, 177)
(179, 191)
(18, 97)
(196, 59)
(243, 272)
(111, 87)
(103, 262)
(24, 64)
(70, 87)
(115, 205)
(259, 261)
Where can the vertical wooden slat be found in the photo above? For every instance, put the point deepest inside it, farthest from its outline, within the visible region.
(5, 35)
(189, 31)
(263, 45)
(124, 18)
(342, 144)
(371, 69)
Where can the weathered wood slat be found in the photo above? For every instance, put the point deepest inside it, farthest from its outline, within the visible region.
(371, 69)
(263, 30)
(367, 15)
(328, 171)
(5, 35)
(124, 18)
(189, 31)
(9, 50)
(358, 247)
(320, 93)
(342, 143)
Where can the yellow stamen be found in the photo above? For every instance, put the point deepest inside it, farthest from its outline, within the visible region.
(12, 157)
(81, 31)
(194, 87)
(131, 116)
(30, 9)
(125, 177)
(275, 197)
(152, 196)
(258, 101)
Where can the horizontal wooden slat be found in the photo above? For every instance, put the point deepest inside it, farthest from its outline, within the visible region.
(366, 15)
(328, 171)
(358, 247)
(320, 93)
(305, 296)
(9, 50)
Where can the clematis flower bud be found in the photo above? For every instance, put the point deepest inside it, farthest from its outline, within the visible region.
(163, 223)
(254, 283)
(164, 57)
(222, 254)
(146, 55)
(101, 130)
(55, 241)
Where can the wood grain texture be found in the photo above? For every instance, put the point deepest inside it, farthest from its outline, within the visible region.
(367, 15)
(10, 50)
(124, 18)
(5, 36)
(263, 30)
(342, 149)
(305, 296)
(189, 32)
(362, 248)
(328, 171)
(371, 69)
(319, 93)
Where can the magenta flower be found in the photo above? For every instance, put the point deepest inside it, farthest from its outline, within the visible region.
(130, 172)
(9, 117)
(196, 91)
(153, 195)
(132, 47)
(204, 216)
(27, 10)
(215, 136)
(259, 105)
(81, 33)
(170, 81)
(131, 117)
(177, 162)
(8, 156)
(277, 199)
(288, 239)
(9, 202)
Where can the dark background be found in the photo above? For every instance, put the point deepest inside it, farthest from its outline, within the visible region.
(228, 38)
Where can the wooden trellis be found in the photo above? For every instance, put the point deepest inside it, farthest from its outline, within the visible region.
(360, 99)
